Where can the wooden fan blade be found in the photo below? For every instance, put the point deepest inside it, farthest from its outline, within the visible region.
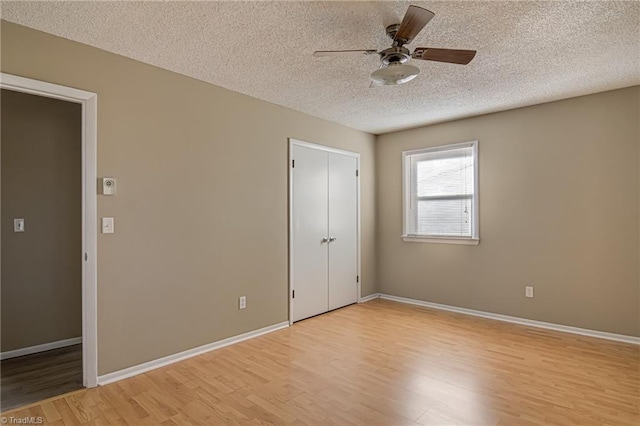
(322, 53)
(452, 56)
(413, 22)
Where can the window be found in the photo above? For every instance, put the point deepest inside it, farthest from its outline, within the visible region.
(441, 194)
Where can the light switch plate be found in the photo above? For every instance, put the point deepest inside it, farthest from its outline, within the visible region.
(18, 225)
(107, 225)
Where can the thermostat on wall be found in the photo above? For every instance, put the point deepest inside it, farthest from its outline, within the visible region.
(108, 186)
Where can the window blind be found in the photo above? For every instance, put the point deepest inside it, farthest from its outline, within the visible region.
(442, 192)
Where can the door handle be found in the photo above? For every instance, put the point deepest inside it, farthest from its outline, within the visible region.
(332, 239)
(325, 240)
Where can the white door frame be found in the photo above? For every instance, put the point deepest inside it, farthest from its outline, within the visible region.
(89, 102)
(295, 142)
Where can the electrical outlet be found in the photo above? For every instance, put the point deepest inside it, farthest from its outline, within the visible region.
(242, 302)
(528, 291)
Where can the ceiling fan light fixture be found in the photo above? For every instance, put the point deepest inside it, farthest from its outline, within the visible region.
(394, 69)
(394, 74)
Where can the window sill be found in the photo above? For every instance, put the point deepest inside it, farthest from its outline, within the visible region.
(441, 240)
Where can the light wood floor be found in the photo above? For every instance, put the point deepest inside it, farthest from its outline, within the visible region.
(35, 377)
(379, 363)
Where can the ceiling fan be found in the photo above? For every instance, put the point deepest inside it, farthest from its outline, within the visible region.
(394, 68)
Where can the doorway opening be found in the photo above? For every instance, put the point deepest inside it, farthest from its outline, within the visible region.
(49, 233)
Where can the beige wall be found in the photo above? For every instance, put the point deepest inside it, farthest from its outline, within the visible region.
(558, 210)
(201, 209)
(41, 182)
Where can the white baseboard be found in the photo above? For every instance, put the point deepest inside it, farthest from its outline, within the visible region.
(170, 359)
(40, 348)
(523, 321)
(369, 297)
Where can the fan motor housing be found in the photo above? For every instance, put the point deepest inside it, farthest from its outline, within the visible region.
(395, 54)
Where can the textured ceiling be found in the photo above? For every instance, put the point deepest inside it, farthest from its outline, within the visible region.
(528, 52)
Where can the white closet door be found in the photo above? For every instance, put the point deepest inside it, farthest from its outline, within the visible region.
(309, 226)
(343, 230)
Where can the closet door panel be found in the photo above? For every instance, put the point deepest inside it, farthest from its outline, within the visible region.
(343, 228)
(309, 226)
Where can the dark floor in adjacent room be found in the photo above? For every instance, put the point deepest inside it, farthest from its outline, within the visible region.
(32, 378)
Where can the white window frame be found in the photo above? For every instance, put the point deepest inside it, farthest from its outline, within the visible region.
(409, 197)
